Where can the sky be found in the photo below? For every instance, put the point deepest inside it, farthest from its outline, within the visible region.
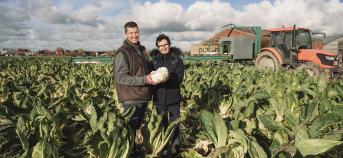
(98, 24)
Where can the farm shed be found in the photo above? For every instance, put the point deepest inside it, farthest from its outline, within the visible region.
(334, 44)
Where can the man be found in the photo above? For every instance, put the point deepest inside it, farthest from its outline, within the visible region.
(132, 75)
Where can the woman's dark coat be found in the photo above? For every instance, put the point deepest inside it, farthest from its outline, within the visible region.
(168, 93)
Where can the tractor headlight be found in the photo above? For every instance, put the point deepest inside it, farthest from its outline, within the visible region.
(327, 59)
(331, 58)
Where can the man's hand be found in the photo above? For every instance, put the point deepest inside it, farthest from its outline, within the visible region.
(149, 80)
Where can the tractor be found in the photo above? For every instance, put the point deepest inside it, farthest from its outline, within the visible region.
(289, 47)
(292, 47)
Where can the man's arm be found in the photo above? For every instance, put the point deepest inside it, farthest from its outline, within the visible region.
(122, 72)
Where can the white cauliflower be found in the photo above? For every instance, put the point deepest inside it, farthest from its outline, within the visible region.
(160, 75)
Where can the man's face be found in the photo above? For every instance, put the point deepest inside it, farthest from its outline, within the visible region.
(132, 34)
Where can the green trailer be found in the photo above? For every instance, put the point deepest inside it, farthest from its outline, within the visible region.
(241, 47)
(235, 49)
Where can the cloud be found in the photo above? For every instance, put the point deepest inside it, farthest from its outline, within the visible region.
(206, 16)
(160, 16)
(11, 14)
(43, 24)
(319, 15)
(167, 16)
(194, 24)
(47, 11)
(12, 26)
(88, 14)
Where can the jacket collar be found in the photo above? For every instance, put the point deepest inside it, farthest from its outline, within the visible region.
(128, 44)
(173, 52)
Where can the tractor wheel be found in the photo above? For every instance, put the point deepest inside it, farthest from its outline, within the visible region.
(266, 60)
(310, 68)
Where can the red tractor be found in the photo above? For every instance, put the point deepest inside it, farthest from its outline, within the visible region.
(292, 47)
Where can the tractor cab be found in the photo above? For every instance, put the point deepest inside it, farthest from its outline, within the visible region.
(282, 41)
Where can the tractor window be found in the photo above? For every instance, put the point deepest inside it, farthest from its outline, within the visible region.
(278, 39)
(288, 39)
(303, 39)
(282, 40)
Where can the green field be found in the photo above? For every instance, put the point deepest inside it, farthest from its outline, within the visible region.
(51, 108)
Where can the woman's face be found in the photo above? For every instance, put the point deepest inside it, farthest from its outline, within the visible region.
(163, 46)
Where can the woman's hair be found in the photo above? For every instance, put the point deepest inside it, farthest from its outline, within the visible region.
(162, 37)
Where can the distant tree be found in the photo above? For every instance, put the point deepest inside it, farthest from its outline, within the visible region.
(80, 52)
(187, 53)
(59, 51)
(47, 52)
(112, 52)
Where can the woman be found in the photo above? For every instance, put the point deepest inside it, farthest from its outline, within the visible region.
(167, 95)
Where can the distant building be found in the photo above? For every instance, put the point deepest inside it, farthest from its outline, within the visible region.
(90, 53)
(9, 49)
(24, 52)
(45, 52)
(8, 52)
(317, 43)
(334, 44)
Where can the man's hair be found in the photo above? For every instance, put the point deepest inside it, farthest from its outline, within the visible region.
(130, 24)
(161, 37)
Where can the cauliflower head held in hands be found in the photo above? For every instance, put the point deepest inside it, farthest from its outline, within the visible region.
(160, 75)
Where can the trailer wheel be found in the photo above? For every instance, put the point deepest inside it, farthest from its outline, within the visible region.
(266, 60)
(310, 68)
